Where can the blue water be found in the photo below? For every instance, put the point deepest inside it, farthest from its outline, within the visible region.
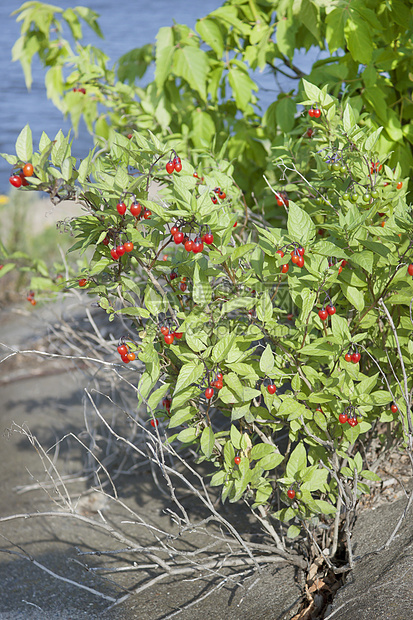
(125, 25)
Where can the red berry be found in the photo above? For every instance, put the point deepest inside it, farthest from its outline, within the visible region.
(120, 250)
(169, 338)
(209, 238)
(123, 349)
(154, 423)
(301, 251)
(311, 112)
(15, 180)
(166, 403)
(177, 164)
(353, 421)
(222, 195)
(295, 257)
(82, 90)
(300, 262)
(174, 230)
(170, 167)
(28, 170)
(125, 359)
(195, 175)
(131, 356)
(214, 199)
(331, 310)
(198, 246)
(128, 246)
(189, 245)
(209, 392)
(106, 241)
(178, 237)
(355, 358)
(323, 314)
(317, 113)
(82, 282)
(310, 132)
(33, 302)
(182, 286)
(147, 214)
(291, 493)
(271, 388)
(178, 335)
(164, 330)
(399, 185)
(173, 275)
(285, 268)
(220, 376)
(342, 418)
(218, 384)
(281, 253)
(410, 270)
(135, 209)
(394, 408)
(114, 254)
(121, 207)
(237, 460)
(348, 357)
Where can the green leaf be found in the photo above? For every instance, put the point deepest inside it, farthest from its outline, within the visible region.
(364, 259)
(188, 435)
(189, 373)
(191, 64)
(209, 30)
(222, 348)
(370, 475)
(285, 112)
(242, 86)
(156, 396)
(267, 360)
(164, 54)
(207, 441)
(324, 507)
(271, 461)
(154, 302)
(297, 461)
(354, 295)
(293, 531)
(236, 437)
(182, 415)
(260, 450)
(24, 144)
(300, 225)
(359, 40)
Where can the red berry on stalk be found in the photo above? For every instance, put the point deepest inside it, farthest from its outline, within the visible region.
(214, 199)
(174, 230)
(220, 376)
(271, 388)
(317, 113)
(123, 349)
(348, 357)
(121, 208)
(164, 330)
(125, 359)
(166, 403)
(189, 244)
(177, 164)
(300, 262)
(135, 209)
(355, 358)
(291, 493)
(169, 338)
(33, 302)
(310, 132)
(198, 246)
(82, 282)
(410, 270)
(15, 180)
(106, 241)
(120, 250)
(195, 175)
(301, 251)
(178, 335)
(281, 253)
(218, 384)
(28, 170)
(353, 421)
(209, 392)
(285, 268)
(394, 408)
(173, 275)
(131, 356)
(399, 185)
(222, 195)
(182, 286)
(154, 422)
(114, 254)
(295, 257)
(147, 214)
(128, 246)
(331, 310)
(323, 314)
(209, 238)
(237, 460)
(178, 237)
(311, 112)
(170, 167)
(342, 418)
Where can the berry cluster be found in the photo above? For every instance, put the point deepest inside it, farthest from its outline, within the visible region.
(297, 256)
(119, 250)
(217, 383)
(169, 335)
(327, 310)
(80, 90)
(174, 164)
(126, 354)
(349, 415)
(195, 245)
(352, 357)
(314, 111)
(30, 297)
(17, 180)
(282, 199)
(221, 195)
